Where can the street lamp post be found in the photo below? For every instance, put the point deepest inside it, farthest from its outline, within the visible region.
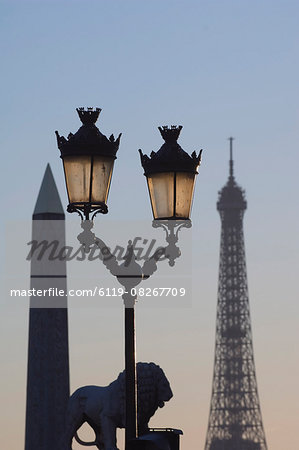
(88, 158)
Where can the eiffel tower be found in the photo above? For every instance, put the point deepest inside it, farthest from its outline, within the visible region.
(235, 421)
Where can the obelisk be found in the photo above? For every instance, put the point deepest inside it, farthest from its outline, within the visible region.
(48, 359)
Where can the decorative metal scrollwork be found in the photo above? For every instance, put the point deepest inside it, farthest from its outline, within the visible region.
(84, 209)
(172, 228)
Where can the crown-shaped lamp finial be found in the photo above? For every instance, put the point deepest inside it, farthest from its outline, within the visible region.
(170, 134)
(88, 116)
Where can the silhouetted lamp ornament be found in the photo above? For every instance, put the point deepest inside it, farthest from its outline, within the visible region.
(88, 158)
(170, 174)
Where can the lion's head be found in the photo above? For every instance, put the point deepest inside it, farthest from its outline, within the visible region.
(153, 391)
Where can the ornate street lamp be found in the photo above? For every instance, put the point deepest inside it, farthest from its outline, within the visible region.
(88, 159)
(170, 174)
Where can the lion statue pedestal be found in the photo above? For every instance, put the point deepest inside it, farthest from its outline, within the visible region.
(103, 408)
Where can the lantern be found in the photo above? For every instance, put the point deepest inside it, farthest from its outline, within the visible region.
(88, 158)
(170, 174)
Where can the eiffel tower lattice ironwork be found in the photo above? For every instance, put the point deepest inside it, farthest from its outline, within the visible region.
(235, 421)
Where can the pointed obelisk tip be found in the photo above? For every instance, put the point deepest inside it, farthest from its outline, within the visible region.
(48, 202)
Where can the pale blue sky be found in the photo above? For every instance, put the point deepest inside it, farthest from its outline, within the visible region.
(219, 68)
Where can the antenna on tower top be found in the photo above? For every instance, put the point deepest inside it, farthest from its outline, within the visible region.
(231, 162)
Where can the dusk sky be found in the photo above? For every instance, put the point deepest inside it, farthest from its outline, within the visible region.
(220, 68)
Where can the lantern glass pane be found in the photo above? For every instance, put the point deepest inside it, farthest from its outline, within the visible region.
(161, 190)
(101, 177)
(184, 194)
(77, 177)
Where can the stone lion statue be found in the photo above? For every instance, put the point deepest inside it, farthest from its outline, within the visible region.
(103, 408)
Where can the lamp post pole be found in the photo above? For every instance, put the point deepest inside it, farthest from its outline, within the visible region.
(130, 367)
(130, 274)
